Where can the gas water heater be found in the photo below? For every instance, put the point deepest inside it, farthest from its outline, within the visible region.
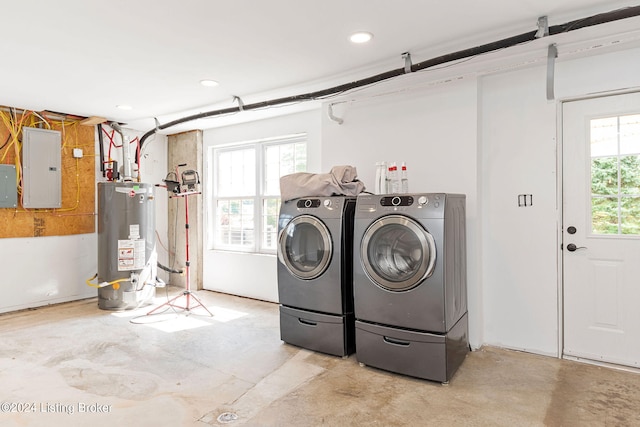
(127, 257)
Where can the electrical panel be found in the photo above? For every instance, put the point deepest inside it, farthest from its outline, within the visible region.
(8, 188)
(41, 168)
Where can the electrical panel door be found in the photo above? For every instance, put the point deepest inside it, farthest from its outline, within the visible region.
(41, 168)
(8, 192)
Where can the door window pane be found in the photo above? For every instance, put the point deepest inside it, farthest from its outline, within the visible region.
(630, 134)
(630, 175)
(604, 176)
(615, 174)
(604, 215)
(630, 213)
(604, 137)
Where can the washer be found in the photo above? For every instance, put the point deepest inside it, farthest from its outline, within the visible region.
(410, 294)
(315, 274)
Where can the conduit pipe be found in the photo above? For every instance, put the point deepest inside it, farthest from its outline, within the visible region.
(101, 147)
(602, 18)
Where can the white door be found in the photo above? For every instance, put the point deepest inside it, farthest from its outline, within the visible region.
(601, 229)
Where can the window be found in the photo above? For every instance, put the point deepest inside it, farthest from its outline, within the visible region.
(615, 175)
(245, 203)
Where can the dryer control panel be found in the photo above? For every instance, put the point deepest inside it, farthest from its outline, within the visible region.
(396, 201)
(308, 203)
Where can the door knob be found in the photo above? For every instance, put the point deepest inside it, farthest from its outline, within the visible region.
(572, 247)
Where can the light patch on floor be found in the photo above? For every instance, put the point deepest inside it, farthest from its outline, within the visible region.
(174, 320)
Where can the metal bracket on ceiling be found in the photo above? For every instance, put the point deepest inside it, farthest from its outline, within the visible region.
(240, 103)
(407, 62)
(543, 27)
(332, 116)
(157, 124)
(552, 54)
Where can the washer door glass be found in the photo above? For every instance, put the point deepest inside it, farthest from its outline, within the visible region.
(305, 247)
(397, 253)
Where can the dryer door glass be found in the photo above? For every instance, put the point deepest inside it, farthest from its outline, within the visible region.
(397, 253)
(305, 247)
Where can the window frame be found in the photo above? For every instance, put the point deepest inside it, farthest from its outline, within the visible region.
(259, 197)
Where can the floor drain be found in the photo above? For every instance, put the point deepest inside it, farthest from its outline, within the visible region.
(227, 417)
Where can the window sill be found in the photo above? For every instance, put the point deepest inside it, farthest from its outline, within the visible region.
(229, 251)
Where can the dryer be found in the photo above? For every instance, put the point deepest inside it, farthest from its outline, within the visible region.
(315, 275)
(410, 294)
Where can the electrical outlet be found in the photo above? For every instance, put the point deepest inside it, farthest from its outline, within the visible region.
(77, 153)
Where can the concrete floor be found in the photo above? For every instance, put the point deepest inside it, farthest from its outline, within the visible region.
(75, 365)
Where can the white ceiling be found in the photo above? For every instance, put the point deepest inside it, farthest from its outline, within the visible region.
(84, 57)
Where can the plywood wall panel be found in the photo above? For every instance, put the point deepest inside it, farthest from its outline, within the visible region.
(77, 214)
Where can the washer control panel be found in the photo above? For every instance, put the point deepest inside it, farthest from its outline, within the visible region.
(396, 201)
(325, 204)
(308, 203)
(420, 204)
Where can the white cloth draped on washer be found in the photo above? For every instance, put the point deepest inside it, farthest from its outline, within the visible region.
(340, 181)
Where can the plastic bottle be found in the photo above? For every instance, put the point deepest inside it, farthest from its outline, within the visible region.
(387, 179)
(404, 179)
(377, 183)
(393, 179)
(381, 174)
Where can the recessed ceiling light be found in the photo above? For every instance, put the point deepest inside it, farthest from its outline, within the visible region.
(124, 107)
(361, 37)
(209, 83)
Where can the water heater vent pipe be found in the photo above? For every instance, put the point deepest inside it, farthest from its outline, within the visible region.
(126, 153)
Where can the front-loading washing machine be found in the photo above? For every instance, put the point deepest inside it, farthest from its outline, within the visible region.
(315, 275)
(410, 283)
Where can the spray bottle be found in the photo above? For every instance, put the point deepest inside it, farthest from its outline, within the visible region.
(404, 179)
(381, 178)
(394, 183)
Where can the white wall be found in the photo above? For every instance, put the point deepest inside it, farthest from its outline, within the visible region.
(519, 244)
(154, 169)
(492, 138)
(253, 275)
(46, 270)
(520, 141)
(435, 132)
